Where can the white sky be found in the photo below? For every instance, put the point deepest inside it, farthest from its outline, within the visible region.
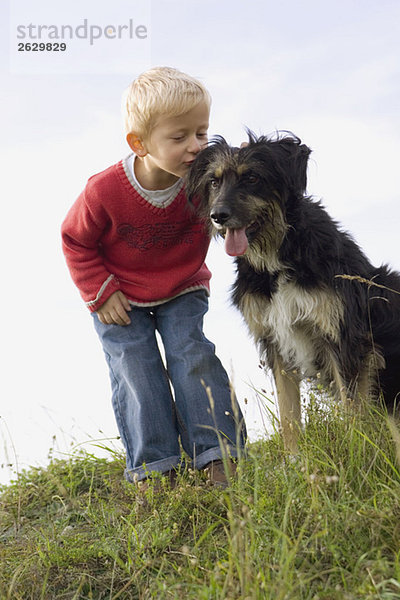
(327, 71)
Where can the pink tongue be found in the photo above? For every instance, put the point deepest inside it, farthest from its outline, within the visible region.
(236, 241)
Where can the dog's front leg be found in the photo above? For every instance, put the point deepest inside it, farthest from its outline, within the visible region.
(288, 391)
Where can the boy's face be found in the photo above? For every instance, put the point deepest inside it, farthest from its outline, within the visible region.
(175, 141)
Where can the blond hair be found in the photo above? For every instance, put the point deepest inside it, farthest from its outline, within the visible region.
(160, 91)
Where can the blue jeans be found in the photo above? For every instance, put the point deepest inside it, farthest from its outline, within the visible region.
(151, 420)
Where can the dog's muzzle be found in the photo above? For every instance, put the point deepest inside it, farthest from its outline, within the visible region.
(220, 216)
(236, 241)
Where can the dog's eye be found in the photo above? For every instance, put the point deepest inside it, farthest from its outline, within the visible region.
(252, 179)
(214, 183)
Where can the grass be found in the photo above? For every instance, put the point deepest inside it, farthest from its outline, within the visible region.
(325, 526)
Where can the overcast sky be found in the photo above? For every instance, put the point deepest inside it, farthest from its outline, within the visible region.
(327, 71)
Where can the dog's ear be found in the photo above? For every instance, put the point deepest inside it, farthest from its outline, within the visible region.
(295, 160)
(197, 178)
(286, 155)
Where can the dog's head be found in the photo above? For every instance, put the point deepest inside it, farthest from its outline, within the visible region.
(244, 191)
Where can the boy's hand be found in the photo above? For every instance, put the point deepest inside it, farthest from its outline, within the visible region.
(114, 310)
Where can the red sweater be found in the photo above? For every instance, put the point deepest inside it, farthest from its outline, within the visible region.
(115, 239)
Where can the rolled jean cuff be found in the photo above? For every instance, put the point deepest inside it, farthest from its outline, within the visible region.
(217, 453)
(159, 466)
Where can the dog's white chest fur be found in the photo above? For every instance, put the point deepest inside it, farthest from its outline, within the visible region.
(295, 320)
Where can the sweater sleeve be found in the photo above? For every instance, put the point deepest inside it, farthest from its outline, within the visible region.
(81, 233)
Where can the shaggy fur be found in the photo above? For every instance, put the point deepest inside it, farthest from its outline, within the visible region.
(312, 301)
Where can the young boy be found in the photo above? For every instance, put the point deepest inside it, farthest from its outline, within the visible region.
(136, 251)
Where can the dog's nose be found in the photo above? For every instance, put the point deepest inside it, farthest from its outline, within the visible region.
(220, 216)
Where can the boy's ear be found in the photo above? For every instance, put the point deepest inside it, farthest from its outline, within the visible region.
(136, 144)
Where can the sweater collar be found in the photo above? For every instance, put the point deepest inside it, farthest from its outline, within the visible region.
(157, 198)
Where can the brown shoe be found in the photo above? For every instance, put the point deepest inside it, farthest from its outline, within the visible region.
(216, 472)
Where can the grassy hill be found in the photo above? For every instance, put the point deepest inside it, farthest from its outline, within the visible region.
(325, 526)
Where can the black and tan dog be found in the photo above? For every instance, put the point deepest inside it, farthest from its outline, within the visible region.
(313, 302)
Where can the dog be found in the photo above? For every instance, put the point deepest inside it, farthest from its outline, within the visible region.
(314, 304)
